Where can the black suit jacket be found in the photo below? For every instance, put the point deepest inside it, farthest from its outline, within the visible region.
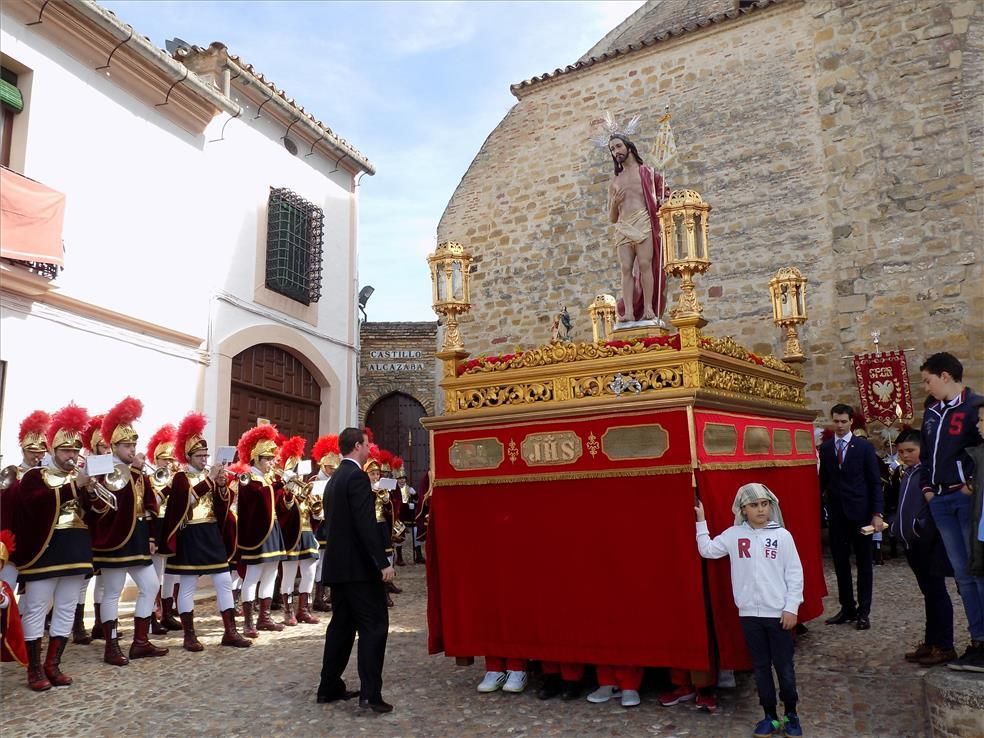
(854, 488)
(354, 552)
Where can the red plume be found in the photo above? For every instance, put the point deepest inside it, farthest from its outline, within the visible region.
(373, 451)
(324, 446)
(125, 413)
(396, 463)
(291, 448)
(858, 422)
(253, 436)
(164, 434)
(8, 539)
(826, 435)
(368, 431)
(385, 457)
(192, 425)
(238, 468)
(36, 422)
(94, 424)
(71, 418)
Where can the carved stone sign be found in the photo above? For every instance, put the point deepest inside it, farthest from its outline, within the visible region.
(551, 449)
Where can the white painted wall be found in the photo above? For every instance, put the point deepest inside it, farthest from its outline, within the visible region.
(158, 223)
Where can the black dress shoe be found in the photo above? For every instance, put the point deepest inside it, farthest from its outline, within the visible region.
(346, 695)
(863, 623)
(842, 617)
(551, 687)
(572, 691)
(379, 706)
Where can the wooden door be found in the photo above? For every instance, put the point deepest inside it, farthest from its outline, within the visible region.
(270, 382)
(395, 424)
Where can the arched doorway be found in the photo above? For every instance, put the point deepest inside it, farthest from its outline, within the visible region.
(270, 382)
(395, 423)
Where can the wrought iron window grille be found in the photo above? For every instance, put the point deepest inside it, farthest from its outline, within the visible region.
(48, 271)
(295, 232)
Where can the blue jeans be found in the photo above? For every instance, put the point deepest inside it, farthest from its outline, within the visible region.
(952, 515)
(771, 647)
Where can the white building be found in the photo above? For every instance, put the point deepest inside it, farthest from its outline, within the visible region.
(210, 234)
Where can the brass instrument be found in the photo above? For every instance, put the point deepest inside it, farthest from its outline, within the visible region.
(294, 484)
(7, 477)
(115, 481)
(399, 531)
(160, 476)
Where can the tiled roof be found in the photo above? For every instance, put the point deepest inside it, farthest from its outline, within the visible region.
(656, 21)
(186, 55)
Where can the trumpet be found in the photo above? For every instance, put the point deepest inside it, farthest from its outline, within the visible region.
(115, 481)
(7, 477)
(294, 484)
(161, 476)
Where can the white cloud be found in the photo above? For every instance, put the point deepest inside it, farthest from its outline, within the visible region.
(414, 28)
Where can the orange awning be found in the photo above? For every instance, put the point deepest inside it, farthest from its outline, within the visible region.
(31, 217)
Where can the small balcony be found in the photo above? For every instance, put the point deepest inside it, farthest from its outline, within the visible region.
(31, 219)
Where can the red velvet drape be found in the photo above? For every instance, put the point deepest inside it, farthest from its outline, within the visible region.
(600, 571)
(798, 493)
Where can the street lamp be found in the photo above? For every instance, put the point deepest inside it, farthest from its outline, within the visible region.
(450, 267)
(364, 294)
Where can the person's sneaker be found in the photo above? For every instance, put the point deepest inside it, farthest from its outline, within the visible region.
(937, 656)
(706, 700)
(921, 652)
(515, 682)
(726, 679)
(973, 652)
(680, 694)
(604, 693)
(493, 681)
(975, 661)
(767, 727)
(630, 698)
(791, 727)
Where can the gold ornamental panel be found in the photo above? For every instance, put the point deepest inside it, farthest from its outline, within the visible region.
(551, 449)
(782, 441)
(476, 453)
(635, 442)
(804, 441)
(756, 440)
(720, 439)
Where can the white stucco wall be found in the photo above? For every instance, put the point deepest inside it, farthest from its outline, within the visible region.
(164, 226)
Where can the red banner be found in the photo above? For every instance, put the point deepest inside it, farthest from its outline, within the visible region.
(883, 386)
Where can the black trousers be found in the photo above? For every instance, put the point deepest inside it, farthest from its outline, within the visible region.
(936, 599)
(771, 646)
(846, 538)
(357, 607)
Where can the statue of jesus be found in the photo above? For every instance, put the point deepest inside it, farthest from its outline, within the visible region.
(634, 197)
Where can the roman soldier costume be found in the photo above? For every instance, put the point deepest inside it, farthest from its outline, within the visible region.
(409, 506)
(261, 542)
(160, 452)
(298, 516)
(327, 456)
(53, 553)
(122, 536)
(199, 532)
(92, 443)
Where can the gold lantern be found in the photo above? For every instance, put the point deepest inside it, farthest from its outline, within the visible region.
(683, 220)
(788, 289)
(450, 267)
(602, 312)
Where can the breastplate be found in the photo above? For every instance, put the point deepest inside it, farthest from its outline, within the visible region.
(382, 497)
(138, 501)
(202, 511)
(305, 512)
(70, 515)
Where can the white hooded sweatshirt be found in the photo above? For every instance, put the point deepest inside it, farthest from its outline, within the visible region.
(766, 573)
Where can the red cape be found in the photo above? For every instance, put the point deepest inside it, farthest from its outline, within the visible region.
(653, 189)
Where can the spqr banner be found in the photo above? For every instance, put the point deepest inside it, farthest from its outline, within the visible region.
(883, 386)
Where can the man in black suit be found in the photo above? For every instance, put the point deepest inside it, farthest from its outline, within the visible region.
(356, 569)
(851, 480)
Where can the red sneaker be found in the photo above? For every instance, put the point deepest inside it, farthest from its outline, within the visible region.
(680, 694)
(707, 702)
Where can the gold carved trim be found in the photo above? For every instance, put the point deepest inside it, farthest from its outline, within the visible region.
(612, 454)
(554, 448)
(804, 441)
(756, 440)
(764, 464)
(492, 461)
(782, 441)
(720, 439)
(562, 476)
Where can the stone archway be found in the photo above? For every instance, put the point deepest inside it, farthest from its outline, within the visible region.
(395, 423)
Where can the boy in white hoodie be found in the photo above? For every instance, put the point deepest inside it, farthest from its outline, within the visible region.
(767, 581)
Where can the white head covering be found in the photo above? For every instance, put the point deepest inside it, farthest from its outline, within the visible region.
(752, 492)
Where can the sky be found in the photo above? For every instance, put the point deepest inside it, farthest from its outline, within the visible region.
(415, 86)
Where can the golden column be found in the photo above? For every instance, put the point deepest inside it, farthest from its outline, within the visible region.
(788, 290)
(683, 220)
(450, 267)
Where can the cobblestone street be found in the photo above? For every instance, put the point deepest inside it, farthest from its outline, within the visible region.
(851, 683)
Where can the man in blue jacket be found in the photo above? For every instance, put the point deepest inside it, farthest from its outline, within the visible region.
(851, 480)
(948, 430)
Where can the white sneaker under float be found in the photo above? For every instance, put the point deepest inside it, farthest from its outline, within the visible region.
(630, 698)
(492, 682)
(604, 693)
(515, 682)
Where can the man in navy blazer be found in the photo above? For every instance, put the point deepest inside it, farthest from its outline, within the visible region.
(356, 569)
(851, 481)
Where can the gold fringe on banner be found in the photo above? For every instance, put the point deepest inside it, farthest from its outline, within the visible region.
(562, 476)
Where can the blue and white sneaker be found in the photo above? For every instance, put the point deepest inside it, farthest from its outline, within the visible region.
(767, 727)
